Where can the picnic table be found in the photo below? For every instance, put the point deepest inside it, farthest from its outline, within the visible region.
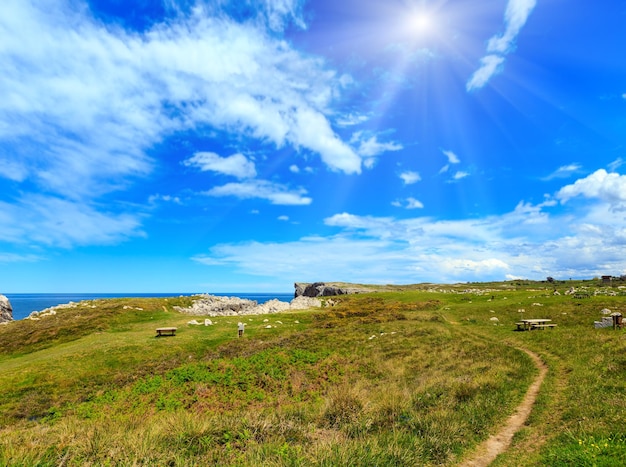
(166, 332)
(534, 323)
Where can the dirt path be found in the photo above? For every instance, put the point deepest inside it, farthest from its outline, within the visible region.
(498, 443)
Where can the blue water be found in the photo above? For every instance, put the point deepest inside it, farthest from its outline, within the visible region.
(25, 303)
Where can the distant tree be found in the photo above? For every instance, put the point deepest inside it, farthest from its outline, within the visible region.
(550, 279)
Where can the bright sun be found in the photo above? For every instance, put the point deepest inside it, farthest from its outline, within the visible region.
(421, 22)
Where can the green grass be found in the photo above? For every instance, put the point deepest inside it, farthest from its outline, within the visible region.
(415, 375)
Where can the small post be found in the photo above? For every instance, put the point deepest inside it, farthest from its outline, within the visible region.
(240, 327)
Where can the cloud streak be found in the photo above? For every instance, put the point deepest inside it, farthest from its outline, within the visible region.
(262, 189)
(515, 17)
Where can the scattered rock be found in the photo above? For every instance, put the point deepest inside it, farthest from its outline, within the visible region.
(6, 310)
(607, 322)
(208, 322)
(194, 322)
(493, 318)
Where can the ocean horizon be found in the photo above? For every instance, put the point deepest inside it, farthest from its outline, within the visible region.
(24, 304)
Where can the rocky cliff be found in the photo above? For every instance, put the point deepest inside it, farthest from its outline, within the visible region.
(6, 310)
(322, 289)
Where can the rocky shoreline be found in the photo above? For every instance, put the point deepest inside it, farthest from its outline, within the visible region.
(306, 296)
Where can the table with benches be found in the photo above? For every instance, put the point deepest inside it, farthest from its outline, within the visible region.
(165, 332)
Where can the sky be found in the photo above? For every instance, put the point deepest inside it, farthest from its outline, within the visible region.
(242, 145)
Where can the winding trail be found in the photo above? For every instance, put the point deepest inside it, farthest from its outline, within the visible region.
(496, 444)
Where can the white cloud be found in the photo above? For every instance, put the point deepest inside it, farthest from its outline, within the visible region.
(413, 203)
(84, 103)
(283, 218)
(261, 189)
(460, 174)
(371, 147)
(489, 66)
(165, 198)
(294, 169)
(609, 188)
(452, 157)
(236, 165)
(409, 203)
(531, 241)
(409, 177)
(515, 17)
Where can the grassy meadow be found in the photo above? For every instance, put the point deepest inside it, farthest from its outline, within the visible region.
(414, 375)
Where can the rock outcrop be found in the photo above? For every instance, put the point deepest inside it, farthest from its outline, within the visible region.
(6, 310)
(322, 289)
(211, 305)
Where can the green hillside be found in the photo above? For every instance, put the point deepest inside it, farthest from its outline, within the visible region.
(414, 375)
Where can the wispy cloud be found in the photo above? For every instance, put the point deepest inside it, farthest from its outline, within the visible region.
(616, 164)
(460, 174)
(452, 157)
(515, 17)
(564, 172)
(409, 203)
(19, 258)
(236, 165)
(412, 203)
(261, 189)
(368, 147)
(489, 66)
(57, 222)
(352, 119)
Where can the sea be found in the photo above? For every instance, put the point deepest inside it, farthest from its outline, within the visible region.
(24, 304)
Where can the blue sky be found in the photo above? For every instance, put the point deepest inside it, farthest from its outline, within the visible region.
(235, 146)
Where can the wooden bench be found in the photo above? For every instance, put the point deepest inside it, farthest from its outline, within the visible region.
(521, 326)
(542, 326)
(165, 332)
